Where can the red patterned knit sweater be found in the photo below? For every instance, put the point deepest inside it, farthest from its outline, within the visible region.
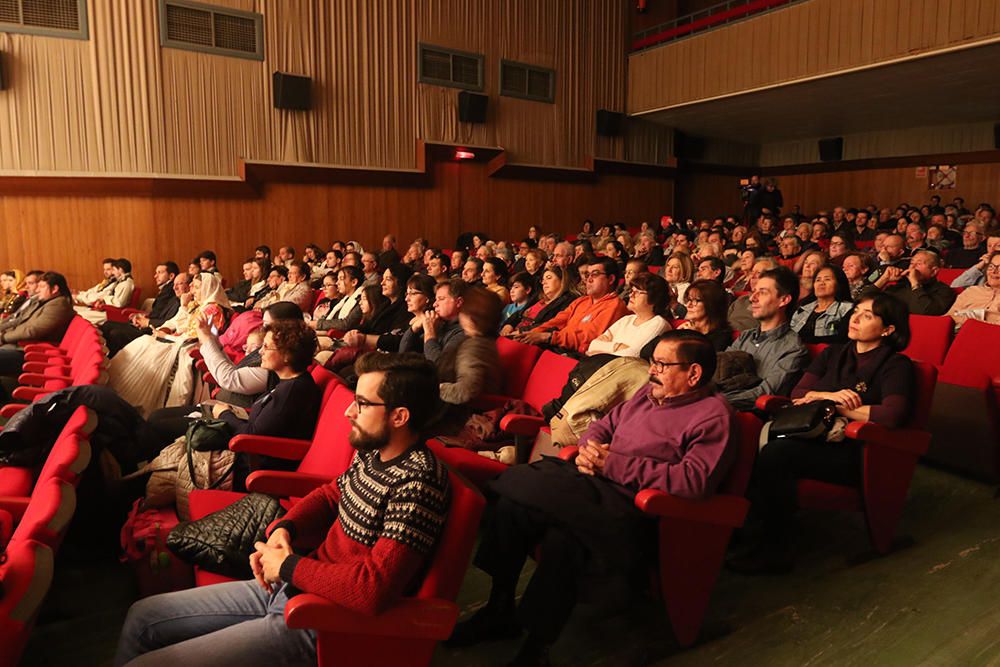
(370, 532)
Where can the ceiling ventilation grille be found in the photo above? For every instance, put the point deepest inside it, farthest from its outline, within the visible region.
(57, 18)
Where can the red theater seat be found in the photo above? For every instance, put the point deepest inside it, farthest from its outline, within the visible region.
(25, 577)
(406, 634)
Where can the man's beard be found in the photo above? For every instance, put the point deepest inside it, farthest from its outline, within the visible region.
(367, 442)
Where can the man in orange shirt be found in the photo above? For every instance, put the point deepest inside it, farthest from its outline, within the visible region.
(586, 318)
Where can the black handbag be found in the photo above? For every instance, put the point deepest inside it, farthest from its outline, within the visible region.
(222, 541)
(807, 421)
(208, 435)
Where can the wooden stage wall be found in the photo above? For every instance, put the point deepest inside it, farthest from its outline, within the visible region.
(71, 233)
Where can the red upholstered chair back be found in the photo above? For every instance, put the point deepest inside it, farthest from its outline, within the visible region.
(454, 548)
(136, 300)
(322, 377)
(930, 337)
(815, 349)
(974, 356)
(948, 275)
(925, 376)
(331, 453)
(26, 577)
(48, 513)
(516, 360)
(67, 460)
(547, 378)
(747, 438)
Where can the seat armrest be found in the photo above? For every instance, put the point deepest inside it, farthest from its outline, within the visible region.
(485, 402)
(522, 424)
(49, 359)
(722, 510)
(11, 409)
(15, 506)
(41, 367)
(195, 353)
(282, 484)
(410, 618)
(39, 379)
(569, 452)
(281, 448)
(29, 393)
(769, 403)
(35, 346)
(909, 440)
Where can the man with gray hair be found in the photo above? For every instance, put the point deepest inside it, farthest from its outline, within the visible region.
(973, 246)
(918, 286)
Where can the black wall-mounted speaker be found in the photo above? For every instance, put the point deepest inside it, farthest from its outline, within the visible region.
(609, 123)
(292, 92)
(831, 150)
(472, 107)
(3, 81)
(996, 132)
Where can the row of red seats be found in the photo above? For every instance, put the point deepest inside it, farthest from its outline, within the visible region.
(35, 512)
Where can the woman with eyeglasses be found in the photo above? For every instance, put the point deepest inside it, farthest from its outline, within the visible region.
(981, 302)
(649, 301)
(840, 246)
(707, 306)
(290, 406)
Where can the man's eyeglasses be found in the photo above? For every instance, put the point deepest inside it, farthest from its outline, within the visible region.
(363, 403)
(594, 274)
(660, 366)
(993, 267)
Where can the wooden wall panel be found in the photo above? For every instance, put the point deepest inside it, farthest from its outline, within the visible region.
(701, 195)
(72, 233)
(802, 40)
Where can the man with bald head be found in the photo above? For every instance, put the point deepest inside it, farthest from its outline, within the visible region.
(917, 286)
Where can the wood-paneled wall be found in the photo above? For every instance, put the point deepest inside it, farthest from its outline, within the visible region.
(702, 195)
(805, 39)
(118, 103)
(72, 233)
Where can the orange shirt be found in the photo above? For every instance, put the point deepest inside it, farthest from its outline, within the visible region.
(584, 320)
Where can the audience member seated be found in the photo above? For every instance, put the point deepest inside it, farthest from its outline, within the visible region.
(648, 251)
(44, 319)
(277, 278)
(96, 293)
(290, 406)
(893, 253)
(154, 371)
(633, 268)
(679, 272)
(825, 318)
(976, 274)
(330, 296)
(259, 284)
(240, 292)
(534, 263)
(553, 297)
(240, 384)
(522, 292)
(346, 313)
(11, 291)
(918, 286)
(367, 536)
(472, 271)
(777, 351)
(586, 318)
(579, 519)
(649, 303)
(706, 304)
(980, 302)
(740, 318)
(383, 310)
(470, 367)
(857, 266)
(165, 305)
(841, 244)
(868, 380)
(743, 269)
(811, 262)
(494, 277)
(439, 329)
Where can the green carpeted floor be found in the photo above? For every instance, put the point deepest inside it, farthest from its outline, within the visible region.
(934, 603)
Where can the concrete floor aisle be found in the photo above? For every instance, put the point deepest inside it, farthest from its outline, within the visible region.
(934, 603)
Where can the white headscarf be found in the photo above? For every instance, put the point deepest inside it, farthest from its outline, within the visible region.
(212, 291)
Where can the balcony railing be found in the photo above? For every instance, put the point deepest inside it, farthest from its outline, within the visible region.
(706, 19)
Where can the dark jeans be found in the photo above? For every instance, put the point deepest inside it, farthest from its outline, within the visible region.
(779, 467)
(119, 334)
(512, 531)
(11, 360)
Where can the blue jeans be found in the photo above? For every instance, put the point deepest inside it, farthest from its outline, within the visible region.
(235, 623)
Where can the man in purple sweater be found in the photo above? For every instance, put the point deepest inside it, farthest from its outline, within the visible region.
(673, 435)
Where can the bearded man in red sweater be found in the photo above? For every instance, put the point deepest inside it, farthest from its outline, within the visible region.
(360, 541)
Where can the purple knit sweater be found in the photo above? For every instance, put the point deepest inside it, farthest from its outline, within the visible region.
(680, 445)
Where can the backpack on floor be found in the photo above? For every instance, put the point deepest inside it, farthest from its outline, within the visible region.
(144, 547)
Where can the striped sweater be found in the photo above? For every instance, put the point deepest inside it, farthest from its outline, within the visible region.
(371, 532)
